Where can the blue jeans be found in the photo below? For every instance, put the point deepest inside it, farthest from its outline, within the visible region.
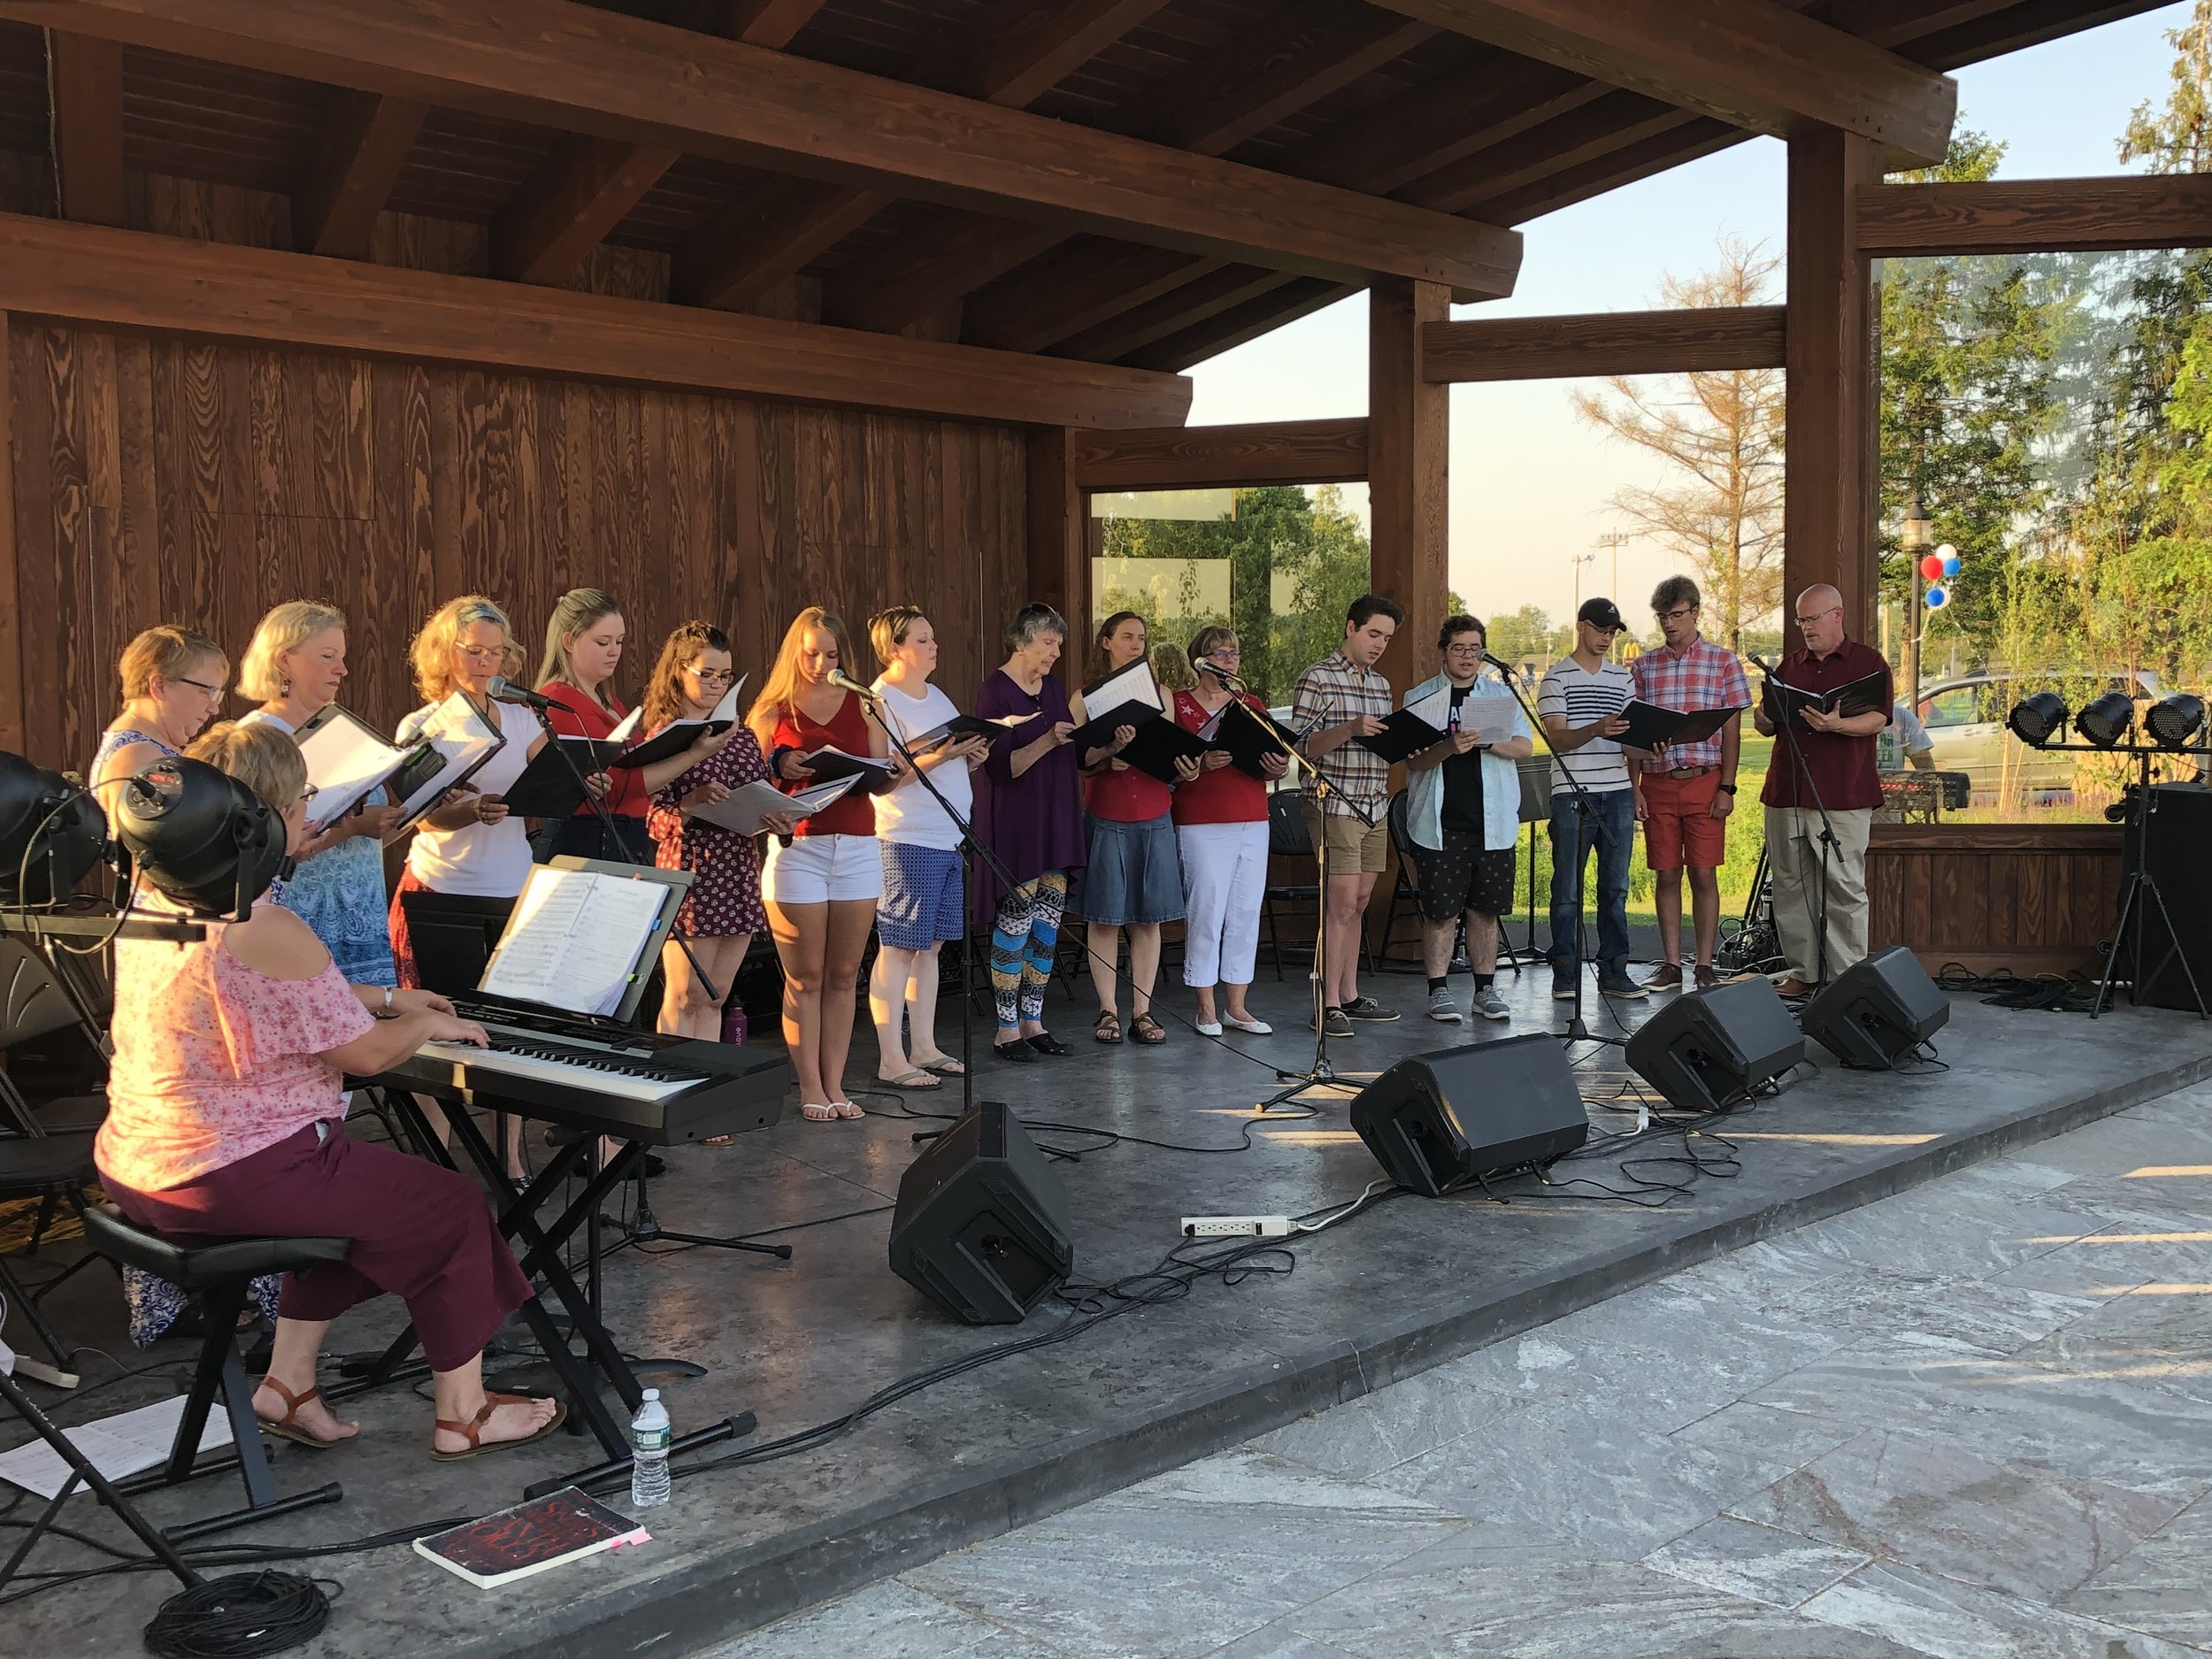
(1611, 827)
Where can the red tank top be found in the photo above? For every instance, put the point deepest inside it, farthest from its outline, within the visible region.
(852, 813)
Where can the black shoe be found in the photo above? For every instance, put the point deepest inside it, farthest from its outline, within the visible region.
(1563, 984)
(1367, 1008)
(1017, 1051)
(1045, 1042)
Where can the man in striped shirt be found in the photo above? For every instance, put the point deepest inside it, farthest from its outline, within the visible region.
(1580, 704)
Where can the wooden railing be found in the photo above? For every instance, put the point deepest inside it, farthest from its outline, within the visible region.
(2032, 897)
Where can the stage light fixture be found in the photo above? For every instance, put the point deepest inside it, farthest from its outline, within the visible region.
(2174, 721)
(2037, 720)
(52, 833)
(2105, 721)
(201, 836)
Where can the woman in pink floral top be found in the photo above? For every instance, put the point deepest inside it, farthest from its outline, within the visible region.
(227, 1117)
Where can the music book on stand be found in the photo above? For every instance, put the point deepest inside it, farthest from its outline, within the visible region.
(460, 742)
(1650, 725)
(530, 1538)
(741, 809)
(348, 761)
(1781, 701)
(678, 735)
(584, 936)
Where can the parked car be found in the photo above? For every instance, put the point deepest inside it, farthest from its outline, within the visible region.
(1965, 719)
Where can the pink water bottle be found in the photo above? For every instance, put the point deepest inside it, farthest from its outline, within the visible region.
(735, 1030)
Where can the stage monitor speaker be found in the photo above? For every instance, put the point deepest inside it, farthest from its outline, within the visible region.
(2180, 829)
(1439, 1120)
(1877, 1011)
(981, 1226)
(1708, 1050)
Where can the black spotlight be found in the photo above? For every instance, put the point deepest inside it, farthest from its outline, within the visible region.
(52, 833)
(2105, 720)
(201, 836)
(2036, 721)
(2173, 721)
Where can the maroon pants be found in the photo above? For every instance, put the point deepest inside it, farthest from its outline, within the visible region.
(421, 1232)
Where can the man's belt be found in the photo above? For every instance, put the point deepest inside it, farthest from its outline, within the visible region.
(1690, 772)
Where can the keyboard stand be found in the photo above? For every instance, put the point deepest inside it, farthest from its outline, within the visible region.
(538, 1247)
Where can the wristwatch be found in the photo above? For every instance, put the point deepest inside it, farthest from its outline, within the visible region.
(1726, 788)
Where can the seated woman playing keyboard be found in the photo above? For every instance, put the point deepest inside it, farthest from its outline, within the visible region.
(227, 1118)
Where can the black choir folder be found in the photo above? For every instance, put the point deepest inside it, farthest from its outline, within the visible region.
(1781, 701)
(1650, 725)
(496, 1549)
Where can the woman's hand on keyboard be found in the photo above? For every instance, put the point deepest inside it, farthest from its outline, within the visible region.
(420, 1003)
(446, 1028)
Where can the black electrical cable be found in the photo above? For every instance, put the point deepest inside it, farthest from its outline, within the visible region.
(241, 1616)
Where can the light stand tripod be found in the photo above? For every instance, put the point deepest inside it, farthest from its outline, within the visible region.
(1828, 843)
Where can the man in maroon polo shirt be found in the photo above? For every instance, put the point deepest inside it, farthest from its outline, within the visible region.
(1837, 750)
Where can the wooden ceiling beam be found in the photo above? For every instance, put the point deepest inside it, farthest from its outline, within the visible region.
(771, 23)
(1298, 296)
(1679, 342)
(767, 238)
(1596, 130)
(1192, 302)
(135, 281)
(1028, 47)
(582, 190)
(1753, 63)
(1268, 452)
(359, 157)
(1079, 284)
(2034, 215)
(84, 88)
(578, 69)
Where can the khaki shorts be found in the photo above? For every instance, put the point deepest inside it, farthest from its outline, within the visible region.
(1354, 848)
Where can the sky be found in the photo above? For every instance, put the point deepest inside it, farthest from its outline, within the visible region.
(1530, 485)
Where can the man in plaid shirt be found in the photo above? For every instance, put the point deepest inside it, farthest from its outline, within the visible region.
(1686, 791)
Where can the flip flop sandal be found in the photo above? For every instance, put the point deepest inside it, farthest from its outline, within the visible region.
(848, 1108)
(922, 1078)
(1144, 1028)
(819, 1112)
(1107, 1028)
(947, 1067)
(285, 1429)
(473, 1429)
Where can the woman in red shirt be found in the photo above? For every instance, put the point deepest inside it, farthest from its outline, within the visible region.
(583, 647)
(822, 883)
(1221, 832)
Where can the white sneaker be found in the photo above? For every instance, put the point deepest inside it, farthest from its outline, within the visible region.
(1209, 1028)
(1256, 1027)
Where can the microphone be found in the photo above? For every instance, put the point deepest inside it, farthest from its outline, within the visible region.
(1503, 667)
(844, 681)
(1764, 666)
(506, 691)
(1228, 677)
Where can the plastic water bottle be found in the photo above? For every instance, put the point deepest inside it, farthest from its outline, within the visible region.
(649, 1453)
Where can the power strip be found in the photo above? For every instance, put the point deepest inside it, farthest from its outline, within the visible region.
(1236, 1226)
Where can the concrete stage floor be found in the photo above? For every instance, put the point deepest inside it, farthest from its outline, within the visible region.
(1402, 1288)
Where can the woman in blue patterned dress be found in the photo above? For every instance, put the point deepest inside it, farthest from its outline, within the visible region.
(295, 665)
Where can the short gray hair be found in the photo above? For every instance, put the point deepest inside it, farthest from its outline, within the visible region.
(1030, 622)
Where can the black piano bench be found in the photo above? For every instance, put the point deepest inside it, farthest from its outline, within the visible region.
(217, 1274)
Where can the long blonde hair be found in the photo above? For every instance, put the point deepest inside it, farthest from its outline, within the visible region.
(431, 652)
(285, 628)
(573, 613)
(782, 684)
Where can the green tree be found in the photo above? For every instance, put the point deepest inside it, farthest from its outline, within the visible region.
(1529, 634)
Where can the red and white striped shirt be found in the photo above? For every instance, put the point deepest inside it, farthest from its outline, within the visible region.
(1706, 676)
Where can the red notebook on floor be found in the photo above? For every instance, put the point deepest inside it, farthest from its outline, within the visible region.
(496, 1549)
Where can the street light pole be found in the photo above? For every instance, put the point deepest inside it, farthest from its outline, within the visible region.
(1919, 536)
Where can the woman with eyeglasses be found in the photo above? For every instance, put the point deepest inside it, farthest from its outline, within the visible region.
(1221, 832)
(723, 910)
(174, 681)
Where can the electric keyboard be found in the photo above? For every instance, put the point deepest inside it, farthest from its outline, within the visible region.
(601, 1079)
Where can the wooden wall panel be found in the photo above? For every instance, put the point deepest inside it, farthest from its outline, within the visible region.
(2034, 898)
(159, 479)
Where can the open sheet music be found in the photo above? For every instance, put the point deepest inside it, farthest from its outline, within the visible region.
(347, 762)
(1128, 696)
(742, 811)
(460, 741)
(1490, 719)
(576, 940)
(677, 735)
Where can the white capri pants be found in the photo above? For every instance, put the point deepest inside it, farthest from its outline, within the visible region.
(1224, 883)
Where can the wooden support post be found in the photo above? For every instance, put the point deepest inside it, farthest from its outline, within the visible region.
(12, 699)
(1830, 496)
(1408, 430)
(84, 81)
(1059, 549)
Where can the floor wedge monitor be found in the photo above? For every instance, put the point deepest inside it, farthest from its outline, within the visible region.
(981, 1226)
(1877, 1011)
(1709, 1050)
(1439, 1120)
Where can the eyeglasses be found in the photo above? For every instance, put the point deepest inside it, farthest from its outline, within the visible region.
(1222, 650)
(1678, 613)
(482, 653)
(711, 676)
(1464, 650)
(1807, 622)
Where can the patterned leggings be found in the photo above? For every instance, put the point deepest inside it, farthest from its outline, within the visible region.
(1025, 933)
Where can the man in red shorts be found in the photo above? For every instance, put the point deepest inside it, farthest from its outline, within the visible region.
(1686, 791)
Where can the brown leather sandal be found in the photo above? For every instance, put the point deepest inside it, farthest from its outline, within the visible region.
(1107, 1027)
(1144, 1028)
(285, 1428)
(473, 1430)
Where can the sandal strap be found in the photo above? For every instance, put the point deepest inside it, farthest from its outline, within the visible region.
(292, 1401)
(472, 1430)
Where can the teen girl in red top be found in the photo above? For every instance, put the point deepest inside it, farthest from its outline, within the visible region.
(1221, 832)
(583, 647)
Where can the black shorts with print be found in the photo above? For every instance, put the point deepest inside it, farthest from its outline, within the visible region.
(1465, 876)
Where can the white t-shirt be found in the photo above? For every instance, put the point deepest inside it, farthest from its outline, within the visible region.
(1584, 699)
(910, 814)
(479, 861)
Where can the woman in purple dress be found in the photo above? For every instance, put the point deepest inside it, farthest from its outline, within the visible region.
(723, 910)
(1030, 816)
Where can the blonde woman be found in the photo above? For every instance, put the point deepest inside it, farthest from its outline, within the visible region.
(174, 681)
(584, 640)
(823, 883)
(295, 666)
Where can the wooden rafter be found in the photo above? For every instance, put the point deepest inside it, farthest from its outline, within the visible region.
(1078, 285)
(358, 158)
(1298, 296)
(1606, 342)
(1191, 302)
(1755, 64)
(84, 83)
(1268, 452)
(131, 279)
(2035, 215)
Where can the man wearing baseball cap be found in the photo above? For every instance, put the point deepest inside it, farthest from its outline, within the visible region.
(1580, 704)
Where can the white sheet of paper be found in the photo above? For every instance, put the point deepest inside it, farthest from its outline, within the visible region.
(574, 938)
(1132, 684)
(345, 760)
(457, 733)
(742, 811)
(1489, 718)
(126, 1444)
(627, 728)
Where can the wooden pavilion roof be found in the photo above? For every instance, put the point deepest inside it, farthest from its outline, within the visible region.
(1434, 111)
